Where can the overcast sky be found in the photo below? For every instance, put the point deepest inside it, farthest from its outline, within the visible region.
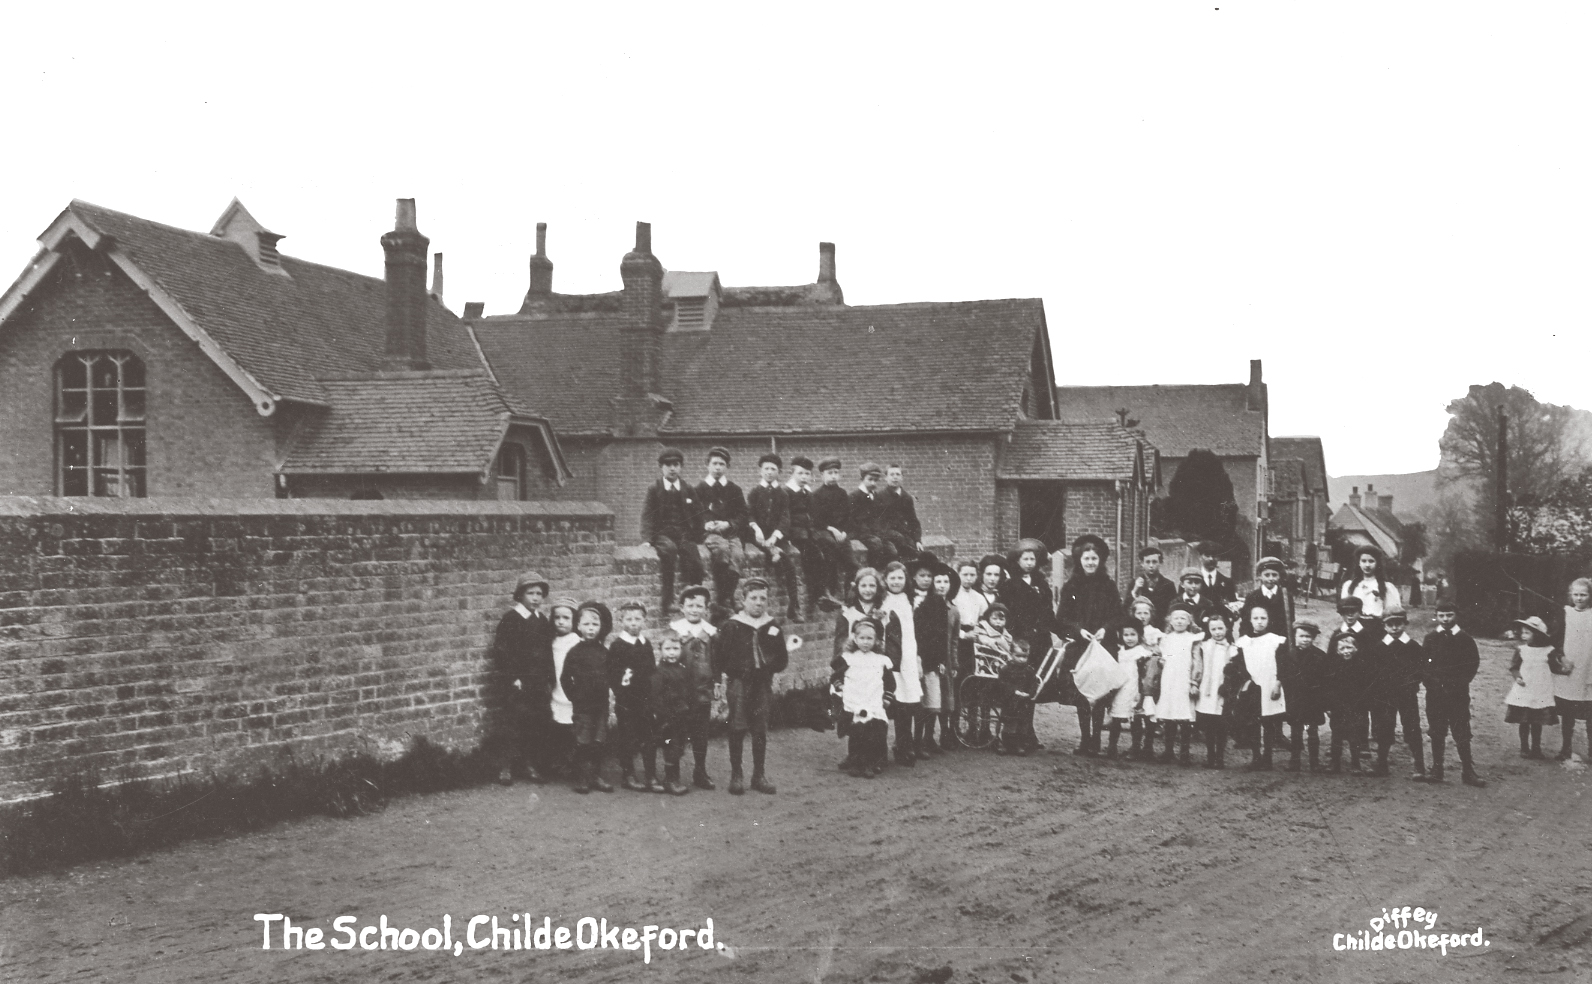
(1386, 203)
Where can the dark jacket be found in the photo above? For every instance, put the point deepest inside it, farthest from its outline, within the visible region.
(867, 513)
(1089, 602)
(740, 646)
(1019, 675)
(1451, 662)
(1224, 592)
(831, 507)
(932, 627)
(673, 691)
(892, 636)
(1277, 607)
(1161, 592)
(1206, 605)
(696, 655)
(630, 669)
(1349, 684)
(522, 649)
(1400, 664)
(769, 508)
(671, 514)
(1029, 614)
(1302, 672)
(800, 505)
(901, 513)
(585, 677)
(722, 504)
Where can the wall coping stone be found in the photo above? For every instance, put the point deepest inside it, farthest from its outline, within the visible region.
(24, 507)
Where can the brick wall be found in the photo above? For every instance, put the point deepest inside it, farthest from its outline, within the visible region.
(204, 436)
(157, 636)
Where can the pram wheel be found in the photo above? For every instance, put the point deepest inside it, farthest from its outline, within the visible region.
(978, 713)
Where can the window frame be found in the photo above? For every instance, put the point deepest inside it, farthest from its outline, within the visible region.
(513, 453)
(114, 452)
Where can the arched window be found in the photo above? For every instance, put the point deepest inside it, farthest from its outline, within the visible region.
(99, 424)
(510, 472)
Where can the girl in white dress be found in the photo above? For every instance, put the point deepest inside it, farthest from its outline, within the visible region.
(1378, 595)
(563, 709)
(1175, 707)
(1258, 651)
(1530, 701)
(1211, 657)
(909, 671)
(1572, 693)
(1125, 701)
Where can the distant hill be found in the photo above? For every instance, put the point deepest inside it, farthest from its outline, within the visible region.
(1413, 492)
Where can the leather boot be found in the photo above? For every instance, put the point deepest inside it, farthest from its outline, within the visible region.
(671, 781)
(1435, 774)
(1381, 768)
(737, 783)
(699, 778)
(598, 783)
(629, 781)
(582, 770)
(1468, 768)
(1566, 739)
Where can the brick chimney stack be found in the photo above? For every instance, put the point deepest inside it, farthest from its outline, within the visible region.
(406, 292)
(827, 283)
(436, 276)
(1257, 388)
(1354, 497)
(541, 268)
(641, 340)
(1385, 503)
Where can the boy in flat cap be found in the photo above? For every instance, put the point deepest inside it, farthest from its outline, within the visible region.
(1399, 660)
(867, 519)
(1193, 596)
(799, 498)
(1152, 584)
(750, 651)
(768, 523)
(670, 522)
(1450, 663)
(900, 527)
(724, 520)
(1270, 596)
(832, 534)
(521, 681)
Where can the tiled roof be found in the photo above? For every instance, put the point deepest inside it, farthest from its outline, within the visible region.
(1177, 419)
(281, 330)
(1308, 452)
(686, 283)
(812, 369)
(1288, 479)
(1049, 449)
(1383, 530)
(406, 422)
(792, 296)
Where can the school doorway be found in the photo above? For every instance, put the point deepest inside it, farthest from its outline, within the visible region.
(1042, 514)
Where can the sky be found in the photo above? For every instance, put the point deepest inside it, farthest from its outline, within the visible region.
(1385, 203)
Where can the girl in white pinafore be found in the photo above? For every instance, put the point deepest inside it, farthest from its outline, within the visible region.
(1573, 691)
(1175, 708)
(1259, 653)
(909, 675)
(1210, 663)
(1530, 701)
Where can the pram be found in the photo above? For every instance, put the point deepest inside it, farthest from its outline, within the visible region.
(980, 700)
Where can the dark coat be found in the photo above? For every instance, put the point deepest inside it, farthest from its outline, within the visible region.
(800, 505)
(1206, 605)
(676, 515)
(932, 627)
(585, 677)
(696, 655)
(722, 504)
(901, 513)
(1089, 602)
(739, 644)
(673, 691)
(867, 513)
(1240, 700)
(1278, 607)
(1400, 664)
(1224, 592)
(522, 649)
(1160, 590)
(892, 636)
(769, 508)
(1302, 672)
(831, 507)
(630, 669)
(1451, 662)
(1349, 685)
(1029, 614)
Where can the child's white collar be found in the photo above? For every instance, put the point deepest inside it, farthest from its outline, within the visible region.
(632, 639)
(524, 612)
(685, 626)
(756, 623)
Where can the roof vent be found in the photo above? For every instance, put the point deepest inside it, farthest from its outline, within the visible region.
(237, 225)
(695, 297)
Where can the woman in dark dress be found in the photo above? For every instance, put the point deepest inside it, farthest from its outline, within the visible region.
(1090, 610)
(1026, 595)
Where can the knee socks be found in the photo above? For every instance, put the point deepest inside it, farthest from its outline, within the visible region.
(759, 751)
(737, 747)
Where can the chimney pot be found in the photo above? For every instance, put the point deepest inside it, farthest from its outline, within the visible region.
(436, 276)
(644, 237)
(406, 216)
(541, 239)
(826, 263)
(474, 310)
(541, 288)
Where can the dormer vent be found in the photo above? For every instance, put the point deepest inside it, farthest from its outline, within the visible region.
(238, 226)
(695, 297)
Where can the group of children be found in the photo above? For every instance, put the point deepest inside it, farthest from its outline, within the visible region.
(556, 676)
(831, 531)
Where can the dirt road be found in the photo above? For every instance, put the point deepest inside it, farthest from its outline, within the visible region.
(969, 868)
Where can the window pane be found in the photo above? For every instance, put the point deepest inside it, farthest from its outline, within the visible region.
(107, 450)
(103, 373)
(104, 404)
(74, 449)
(132, 373)
(74, 481)
(135, 483)
(108, 483)
(133, 447)
(73, 374)
(74, 406)
(132, 404)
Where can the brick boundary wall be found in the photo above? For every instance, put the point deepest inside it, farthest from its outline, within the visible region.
(161, 636)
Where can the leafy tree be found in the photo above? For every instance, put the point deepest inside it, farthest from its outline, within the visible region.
(1543, 447)
(1559, 522)
(1200, 504)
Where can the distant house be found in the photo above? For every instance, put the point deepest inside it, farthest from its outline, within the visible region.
(1366, 520)
(1296, 523)
(139, 359)
(1229, 420)
(958, 393)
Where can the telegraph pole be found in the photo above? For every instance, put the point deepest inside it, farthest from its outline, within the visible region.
(1501, 491)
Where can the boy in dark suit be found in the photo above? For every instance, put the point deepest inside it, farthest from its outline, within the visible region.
(1349, 679)
(832, 531)
(799, 498)
(669, 522)
(1451, 662)
(1152, 584)
(1270, 596)
(521, 681)
(631, 664)
(768, 522)
(1193, 596)
(900, 527)
(724, 517)
(750, 651)
(867, 520)
(585, 683)
(1400, 661)
(1216, 584)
